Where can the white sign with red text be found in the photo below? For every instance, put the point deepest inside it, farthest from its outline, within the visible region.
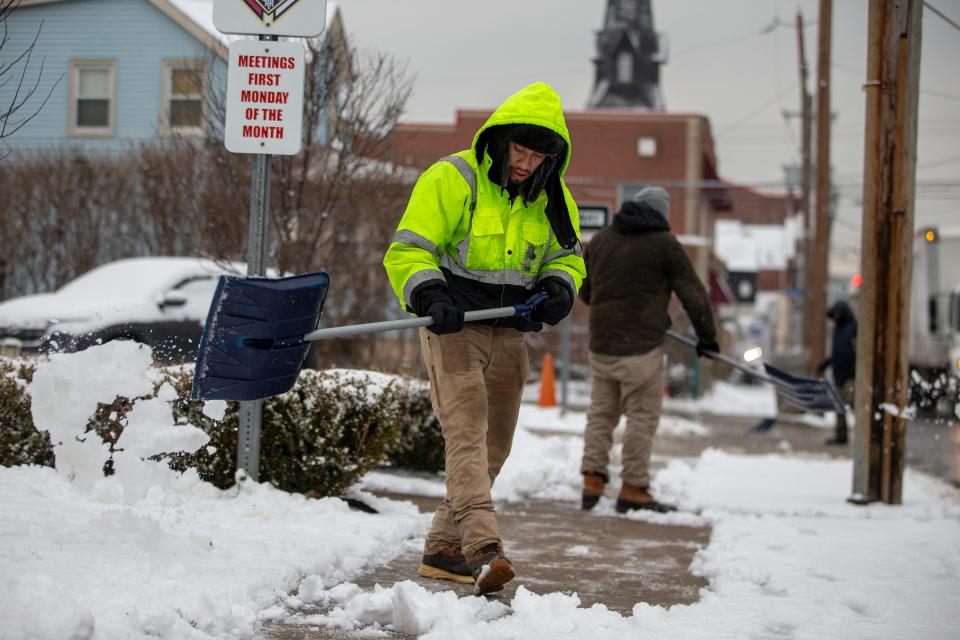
(298, 18)
(264, 97)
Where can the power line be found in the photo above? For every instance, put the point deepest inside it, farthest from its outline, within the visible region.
(939, 94)
(942, 162)
(746, 118)
(941, 15)
(862, 74)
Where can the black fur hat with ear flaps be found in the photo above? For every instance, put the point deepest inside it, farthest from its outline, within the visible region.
(495, 141)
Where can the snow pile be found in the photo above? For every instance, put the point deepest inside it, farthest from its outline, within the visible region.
(65, 391)
(153, 553)
(149, 551)
(788, 557)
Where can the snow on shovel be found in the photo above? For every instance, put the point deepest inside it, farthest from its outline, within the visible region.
(811, 395)
(258, 332)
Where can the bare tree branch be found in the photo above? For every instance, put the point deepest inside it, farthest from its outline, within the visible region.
(21, 98)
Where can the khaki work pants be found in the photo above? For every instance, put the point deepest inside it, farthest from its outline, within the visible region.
(631, 385)
(476, 382)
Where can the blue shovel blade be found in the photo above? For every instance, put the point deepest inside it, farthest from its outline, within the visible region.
(252, 345)
(815, 396)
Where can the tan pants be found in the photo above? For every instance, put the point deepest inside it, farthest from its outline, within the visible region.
(631, 385)
(476, 381)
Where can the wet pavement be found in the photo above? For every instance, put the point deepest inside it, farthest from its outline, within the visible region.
(611, 559)
(603, 557)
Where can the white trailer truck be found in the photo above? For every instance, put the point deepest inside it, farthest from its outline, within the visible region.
(934, 347)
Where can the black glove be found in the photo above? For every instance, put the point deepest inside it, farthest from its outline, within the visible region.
(703, 346)
(527, 325)
(435, 301)
(557, 306)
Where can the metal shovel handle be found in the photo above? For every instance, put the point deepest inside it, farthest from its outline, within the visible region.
(522, 310)
(753, 371)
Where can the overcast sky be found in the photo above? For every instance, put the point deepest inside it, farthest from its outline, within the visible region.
(734, 61)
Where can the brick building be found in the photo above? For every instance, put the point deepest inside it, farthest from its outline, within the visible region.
(615, 153)
(772, 223)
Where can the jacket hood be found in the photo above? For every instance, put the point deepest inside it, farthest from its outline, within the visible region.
(536, 104)
(639, 217)
(841, 313)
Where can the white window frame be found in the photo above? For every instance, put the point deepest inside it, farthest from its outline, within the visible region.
(647, 147)
(166, 98)
(73, 128)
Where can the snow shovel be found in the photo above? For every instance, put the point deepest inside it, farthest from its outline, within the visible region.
(815, 396)
(258, 332)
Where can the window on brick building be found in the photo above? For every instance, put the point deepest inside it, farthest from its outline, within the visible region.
(646, 147)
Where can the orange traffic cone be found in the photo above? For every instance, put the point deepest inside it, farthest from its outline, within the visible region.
(548, 392)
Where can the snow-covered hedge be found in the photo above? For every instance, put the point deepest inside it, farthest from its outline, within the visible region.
(20, 442)
(319, 438)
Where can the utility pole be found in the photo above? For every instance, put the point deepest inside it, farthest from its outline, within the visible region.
(816, 290)
(805, 130)
(889, 180)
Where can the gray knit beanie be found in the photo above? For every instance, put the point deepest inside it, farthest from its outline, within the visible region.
(656, 198)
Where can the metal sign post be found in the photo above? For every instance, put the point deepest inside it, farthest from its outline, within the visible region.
(264, 115)
(251, 412)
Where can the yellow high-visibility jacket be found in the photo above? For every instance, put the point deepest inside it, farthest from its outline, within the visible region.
(495, 255)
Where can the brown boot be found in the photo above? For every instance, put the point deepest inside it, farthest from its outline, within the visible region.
(592, 490)
(491, 569)
(446, 564)
(632, 497)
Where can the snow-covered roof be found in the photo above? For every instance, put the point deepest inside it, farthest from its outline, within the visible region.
(200, 14)
(755, 247)
(196, 16)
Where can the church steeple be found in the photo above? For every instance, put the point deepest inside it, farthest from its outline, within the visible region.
(629, 55)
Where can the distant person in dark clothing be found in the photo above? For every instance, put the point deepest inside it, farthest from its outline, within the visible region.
(633, 267)
(842, 361)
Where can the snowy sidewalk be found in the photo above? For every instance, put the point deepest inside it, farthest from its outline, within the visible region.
(774, 552)
(605, 559)
(779, 547)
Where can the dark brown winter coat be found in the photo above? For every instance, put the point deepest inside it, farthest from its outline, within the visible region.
(632, 268)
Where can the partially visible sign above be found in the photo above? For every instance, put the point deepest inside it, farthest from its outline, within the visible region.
(264, 97)
(593, 217)
(295, 18)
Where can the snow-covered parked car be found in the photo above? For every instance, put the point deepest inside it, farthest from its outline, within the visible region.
(160, 302)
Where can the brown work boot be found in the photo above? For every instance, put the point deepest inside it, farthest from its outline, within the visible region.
(491, 569)
(632, 498)
(592, 490)
(446, 564)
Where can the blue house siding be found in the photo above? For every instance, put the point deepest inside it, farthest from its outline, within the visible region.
(134, 34)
